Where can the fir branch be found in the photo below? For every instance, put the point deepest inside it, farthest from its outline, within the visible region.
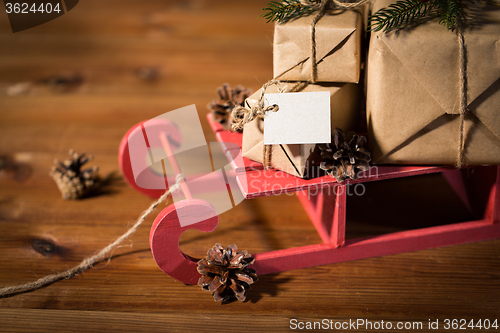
(450, 12)
(401, 13)
(285, 10)
(395, 16)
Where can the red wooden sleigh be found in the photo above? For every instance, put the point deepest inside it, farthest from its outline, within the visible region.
(324, 200)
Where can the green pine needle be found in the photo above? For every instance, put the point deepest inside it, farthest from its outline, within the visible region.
(399, 14)
(406, 12)
(395, 16)
(285, 10)
(450, 12)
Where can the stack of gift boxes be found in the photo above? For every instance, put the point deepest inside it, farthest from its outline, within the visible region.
(411, 92)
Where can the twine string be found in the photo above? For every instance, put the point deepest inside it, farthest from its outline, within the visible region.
(323, 7)
(90, 261)
(242, 115)
(463, 94)
(349, 5)
(314, 65)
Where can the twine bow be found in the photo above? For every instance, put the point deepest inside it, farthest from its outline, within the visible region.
(241, 116)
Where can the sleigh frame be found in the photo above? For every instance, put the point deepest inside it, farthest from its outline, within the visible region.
(325, 201)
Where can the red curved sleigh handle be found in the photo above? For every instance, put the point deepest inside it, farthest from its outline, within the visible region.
(150, 138)
(167, 230)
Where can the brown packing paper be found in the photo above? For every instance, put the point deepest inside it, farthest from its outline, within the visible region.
(338, 44)
(296, 158)
(413, 94)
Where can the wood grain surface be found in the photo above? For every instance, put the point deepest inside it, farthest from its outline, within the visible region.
(81, 81)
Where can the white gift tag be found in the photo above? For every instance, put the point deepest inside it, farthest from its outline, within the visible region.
(303, 117)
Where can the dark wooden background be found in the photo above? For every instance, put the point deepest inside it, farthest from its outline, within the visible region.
(81, 81)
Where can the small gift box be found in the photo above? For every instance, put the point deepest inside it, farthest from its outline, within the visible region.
(413, 94)
(297, 159)
(338, 48)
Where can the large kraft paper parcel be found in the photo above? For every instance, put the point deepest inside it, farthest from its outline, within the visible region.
(413, 94)
(338, 48)
(297, 159)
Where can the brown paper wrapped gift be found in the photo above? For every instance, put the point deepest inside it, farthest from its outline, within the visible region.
(413, 94)
(295, 159)
(338, 43)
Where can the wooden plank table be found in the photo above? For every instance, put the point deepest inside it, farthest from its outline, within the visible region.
(139, 59)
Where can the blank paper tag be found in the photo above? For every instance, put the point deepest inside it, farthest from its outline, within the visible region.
(303, 117)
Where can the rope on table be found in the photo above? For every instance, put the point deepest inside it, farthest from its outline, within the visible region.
(89, 261)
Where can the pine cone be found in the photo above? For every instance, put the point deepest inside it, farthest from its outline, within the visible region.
(343, 159)
(73, 182)
(228, 98)
(225, 273)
